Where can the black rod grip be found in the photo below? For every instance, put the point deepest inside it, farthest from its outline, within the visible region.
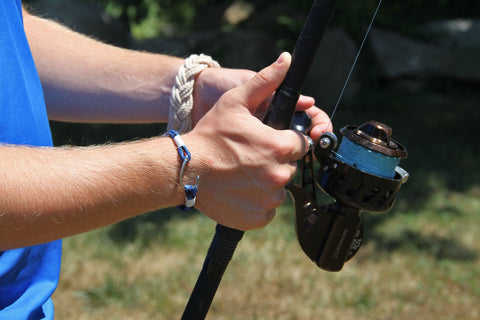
(280, 111)
(219, 255)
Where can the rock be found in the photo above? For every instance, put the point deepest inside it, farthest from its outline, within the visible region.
(330, 68)
(249, 49)
(400, 56)
(252, 49)
(456, 33)
(86, 17)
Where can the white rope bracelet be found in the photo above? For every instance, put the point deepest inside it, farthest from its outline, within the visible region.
(181, 99)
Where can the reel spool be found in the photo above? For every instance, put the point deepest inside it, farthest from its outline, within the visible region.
(361, 174)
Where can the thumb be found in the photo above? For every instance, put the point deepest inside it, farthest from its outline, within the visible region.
(256, 90)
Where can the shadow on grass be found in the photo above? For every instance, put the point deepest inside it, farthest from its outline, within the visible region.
(146, 229)
(438, 247)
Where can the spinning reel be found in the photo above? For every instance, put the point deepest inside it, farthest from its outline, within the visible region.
(361, 174)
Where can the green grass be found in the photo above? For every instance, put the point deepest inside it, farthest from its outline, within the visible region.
(419, 261)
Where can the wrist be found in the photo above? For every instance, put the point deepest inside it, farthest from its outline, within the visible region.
(162, 156)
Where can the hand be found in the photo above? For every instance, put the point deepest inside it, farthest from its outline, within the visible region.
(211, 83)
(243, 164)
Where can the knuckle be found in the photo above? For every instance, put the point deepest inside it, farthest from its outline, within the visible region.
(283, 149)
(264, 219)
(262, 77)
(282, 176)
(229, 96)
(278, 199)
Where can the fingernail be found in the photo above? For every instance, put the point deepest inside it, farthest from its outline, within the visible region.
(281, 58)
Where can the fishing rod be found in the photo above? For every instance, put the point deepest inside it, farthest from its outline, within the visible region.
(360, 174)
(279, 116)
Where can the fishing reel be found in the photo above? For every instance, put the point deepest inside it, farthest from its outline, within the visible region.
(360, 174)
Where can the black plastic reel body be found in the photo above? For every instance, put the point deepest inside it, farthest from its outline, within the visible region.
(354, 187)
(328, 235)
(331, 234)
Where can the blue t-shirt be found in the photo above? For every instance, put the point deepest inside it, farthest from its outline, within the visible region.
(28, 276)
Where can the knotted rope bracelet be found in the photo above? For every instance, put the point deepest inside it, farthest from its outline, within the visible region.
(181, 98)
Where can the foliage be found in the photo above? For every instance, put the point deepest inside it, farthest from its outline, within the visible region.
(282, 18)
(156, 15)
(181, 15)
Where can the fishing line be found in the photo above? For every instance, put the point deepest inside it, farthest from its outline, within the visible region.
(355, 154)
(355, 61)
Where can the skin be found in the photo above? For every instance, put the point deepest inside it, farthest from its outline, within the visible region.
(52, 193)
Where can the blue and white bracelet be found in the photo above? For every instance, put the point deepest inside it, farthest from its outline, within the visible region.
(190, 190)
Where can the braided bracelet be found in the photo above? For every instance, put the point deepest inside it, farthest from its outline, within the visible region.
(181, 99)
(190, 190)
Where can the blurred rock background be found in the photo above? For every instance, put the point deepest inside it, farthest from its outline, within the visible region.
(414, 43)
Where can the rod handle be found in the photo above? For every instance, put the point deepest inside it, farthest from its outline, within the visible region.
(219, 255)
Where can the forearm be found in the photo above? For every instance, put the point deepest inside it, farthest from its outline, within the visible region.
(51, 193)
(87, 81)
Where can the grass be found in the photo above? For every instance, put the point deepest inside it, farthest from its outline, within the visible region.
(419, 261)
(410, 267)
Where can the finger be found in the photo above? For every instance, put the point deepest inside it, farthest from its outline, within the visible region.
(305, 102)
(320, 122)
(291, 145)
(264, 83)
